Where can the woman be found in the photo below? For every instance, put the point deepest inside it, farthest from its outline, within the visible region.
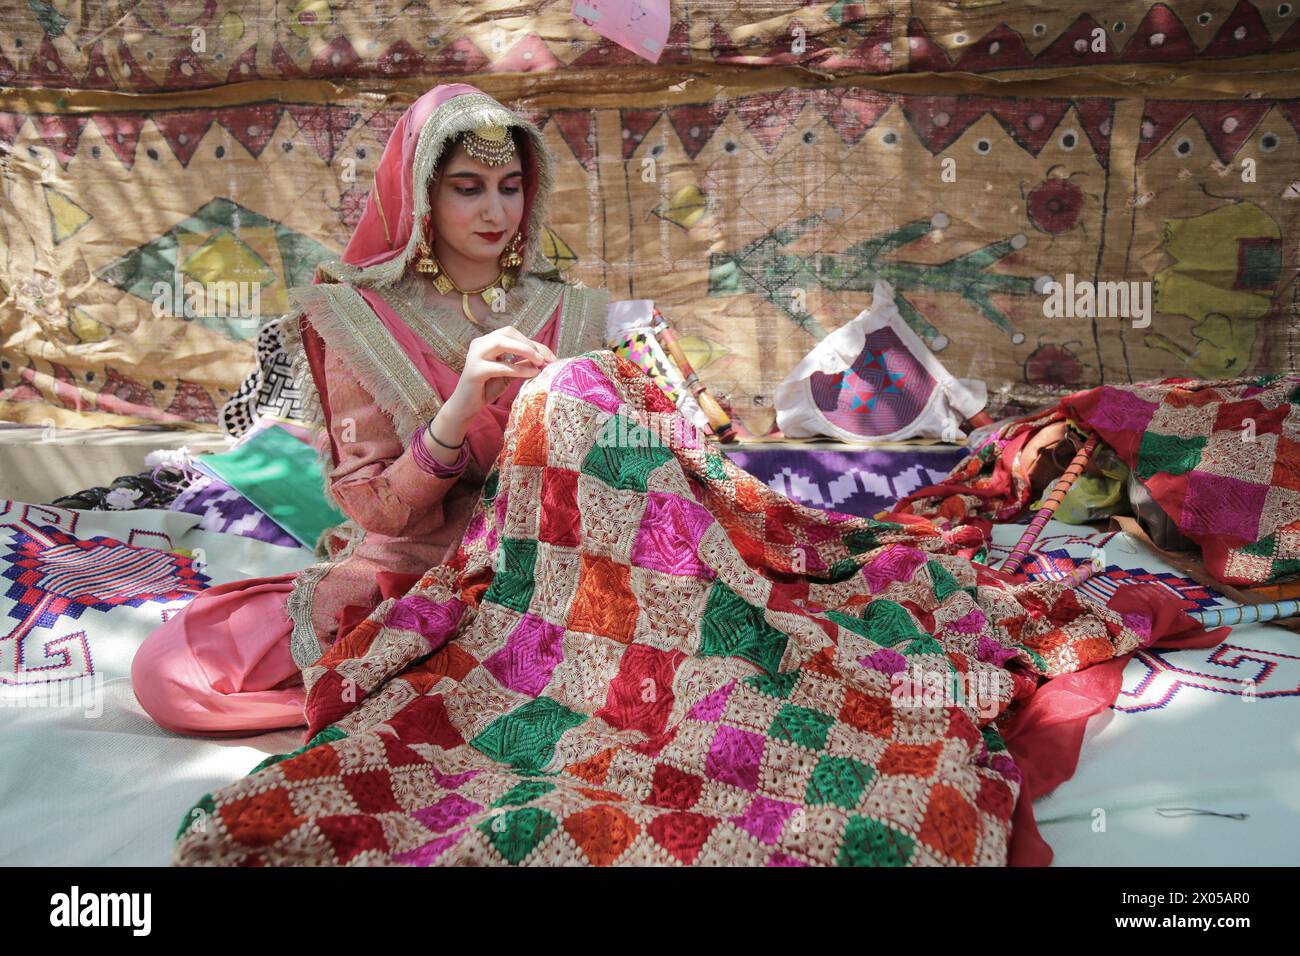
(413, 348)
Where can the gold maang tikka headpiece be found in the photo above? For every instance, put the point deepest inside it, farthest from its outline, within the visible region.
(491, 144)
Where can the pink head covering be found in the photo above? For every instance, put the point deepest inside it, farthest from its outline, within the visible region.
(386, 238)
(396, 200)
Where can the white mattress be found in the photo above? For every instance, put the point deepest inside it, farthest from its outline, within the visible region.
(1215, 730)
(88, 778)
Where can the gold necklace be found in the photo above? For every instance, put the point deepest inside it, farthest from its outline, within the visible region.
(488, 293)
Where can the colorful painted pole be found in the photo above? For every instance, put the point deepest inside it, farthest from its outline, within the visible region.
(1063, 484)
(719, 420)
(1246, 613)
(1085, 570)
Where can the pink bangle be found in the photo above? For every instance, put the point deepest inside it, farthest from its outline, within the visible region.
(433, 466)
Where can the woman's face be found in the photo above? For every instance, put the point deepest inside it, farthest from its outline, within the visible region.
(477, 208)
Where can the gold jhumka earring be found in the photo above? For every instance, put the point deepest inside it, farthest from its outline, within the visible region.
(493, 146)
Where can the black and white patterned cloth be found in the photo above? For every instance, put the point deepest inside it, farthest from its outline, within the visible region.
(268, 390)
(155, 488)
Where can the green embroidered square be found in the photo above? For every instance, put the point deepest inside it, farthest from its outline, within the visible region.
(713, 467)
(888, 623)
(859, 541)
(925, 644)
(841, 570)
(838, 780)
(801, 725)
(624, 454)
(1265, 547)
(993, 739)
(774, 685)
(517, 833)
(732, 627)
(869, 842)
(512, 585)
(1284, 568)
(1170, 454)
(525, 738)
(850, 623)
(941, 580)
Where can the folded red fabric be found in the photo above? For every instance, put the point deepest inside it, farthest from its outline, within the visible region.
(1045, 735)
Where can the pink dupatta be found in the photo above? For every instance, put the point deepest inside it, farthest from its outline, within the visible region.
(380, 236)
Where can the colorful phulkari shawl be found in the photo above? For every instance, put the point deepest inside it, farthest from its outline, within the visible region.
(642, 655)
(1221, 459)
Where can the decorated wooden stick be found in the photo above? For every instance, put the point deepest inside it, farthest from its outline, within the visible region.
(1063, 485)
(1246, 613)
(719, 420)
(1085, 570)
(643, 347)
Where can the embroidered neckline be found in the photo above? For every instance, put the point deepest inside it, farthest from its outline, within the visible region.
(532, 301)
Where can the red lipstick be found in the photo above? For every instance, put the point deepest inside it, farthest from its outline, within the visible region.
(490, 236)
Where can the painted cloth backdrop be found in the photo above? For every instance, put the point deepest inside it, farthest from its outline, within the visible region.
(756, 182)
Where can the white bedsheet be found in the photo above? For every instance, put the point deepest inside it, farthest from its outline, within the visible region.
(86, 777)
(1213, 730)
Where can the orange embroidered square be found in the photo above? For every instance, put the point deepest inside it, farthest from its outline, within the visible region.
(1286, 464)
(530, 431)
(871, 714)
(472, 594)
(951, 824)
(749, 494)
(916, 759)
(593, 769)
(1192, 397)
(604, 603)
(320, 761)
(1092, 650)
(353, 644)
(823, 662)
(260, 819)
(450, 661)
(751, 550)
(1047, 642)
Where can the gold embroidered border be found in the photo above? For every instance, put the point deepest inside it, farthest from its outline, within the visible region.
(350, 328)
(304, 642)
(583, 321)
(533, 302)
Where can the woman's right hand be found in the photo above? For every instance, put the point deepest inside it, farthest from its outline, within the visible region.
(489, 369)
